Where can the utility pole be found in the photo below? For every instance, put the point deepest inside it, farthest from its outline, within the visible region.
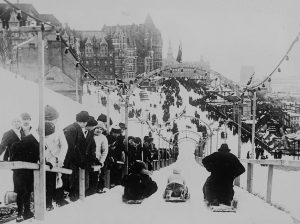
(108, 113)
(158, 149)
(237, 180)
(76, 87)
(210, 143)
(40, 205)
(250, 165)
(253, 124)
(126, 133)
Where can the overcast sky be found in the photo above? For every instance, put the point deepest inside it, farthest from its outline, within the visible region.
(228, 33)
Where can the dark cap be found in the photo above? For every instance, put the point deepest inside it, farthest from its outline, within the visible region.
(116, 129)
(137, 140)
(224, 148)
(82, 116)
(91, 122)
(122, 126)
(102, 117)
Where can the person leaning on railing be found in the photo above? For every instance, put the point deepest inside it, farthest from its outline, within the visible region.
(26, 150)
(56, 147)
(75, 134)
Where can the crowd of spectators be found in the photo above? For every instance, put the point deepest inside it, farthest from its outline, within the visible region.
(85, 144)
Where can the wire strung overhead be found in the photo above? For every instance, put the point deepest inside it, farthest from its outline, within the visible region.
(68, 49)
(277, 68)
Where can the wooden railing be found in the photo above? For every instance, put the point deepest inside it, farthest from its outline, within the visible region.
(157, 164)
(270, 164)
(39, 211)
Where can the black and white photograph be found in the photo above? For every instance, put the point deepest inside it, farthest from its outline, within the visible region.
(153, 112)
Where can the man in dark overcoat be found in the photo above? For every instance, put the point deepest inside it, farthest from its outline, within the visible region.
(224, 168)
(26, 150)
(76, 138)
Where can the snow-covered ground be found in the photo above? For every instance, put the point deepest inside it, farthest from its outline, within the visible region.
(108, 208)
(18, 95)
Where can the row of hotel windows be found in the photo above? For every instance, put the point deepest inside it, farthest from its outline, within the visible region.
(129, 53)
(97, 62)
(129, 75)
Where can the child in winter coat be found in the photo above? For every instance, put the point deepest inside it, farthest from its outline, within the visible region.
(176, 185)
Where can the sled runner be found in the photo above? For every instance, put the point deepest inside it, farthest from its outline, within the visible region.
(222, 207)
(176, 193)
(133, 201)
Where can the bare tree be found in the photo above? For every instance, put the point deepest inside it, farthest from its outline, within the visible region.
(5, 47)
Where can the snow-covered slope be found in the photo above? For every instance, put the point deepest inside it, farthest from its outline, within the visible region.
(108, 208)
(18, 95)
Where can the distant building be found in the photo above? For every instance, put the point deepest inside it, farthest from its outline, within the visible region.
(122, 51)
(170, 60)
(22, 54)
(245, 74)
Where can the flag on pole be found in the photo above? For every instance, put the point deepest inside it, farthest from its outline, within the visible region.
(179, 56)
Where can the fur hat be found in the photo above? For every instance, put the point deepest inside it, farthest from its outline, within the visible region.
(224, 148)
(25, 116)
(50, 113)
(49, 128)
(91, 122)
(82, 116)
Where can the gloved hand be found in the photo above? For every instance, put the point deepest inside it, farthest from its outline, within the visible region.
(50, 165)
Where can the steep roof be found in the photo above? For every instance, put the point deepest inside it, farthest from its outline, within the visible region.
(50, 18)
(5, 10)
(103, 42)
(91, 33)
(149, 22)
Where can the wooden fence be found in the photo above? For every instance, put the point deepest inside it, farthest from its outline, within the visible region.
(270, 164)
(39, 211)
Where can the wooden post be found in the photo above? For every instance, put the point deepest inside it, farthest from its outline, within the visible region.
(126, 133)
(253, 124)
(269, 185)
(158, 153)
(81, 184)
(237, 180)
(239, 130)
(250, 165)
(38, 212)
(249, 177)
(40, 182)
(210, 144)
(217, 139)
(107, 179)
(108, 113)
(76, 87)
